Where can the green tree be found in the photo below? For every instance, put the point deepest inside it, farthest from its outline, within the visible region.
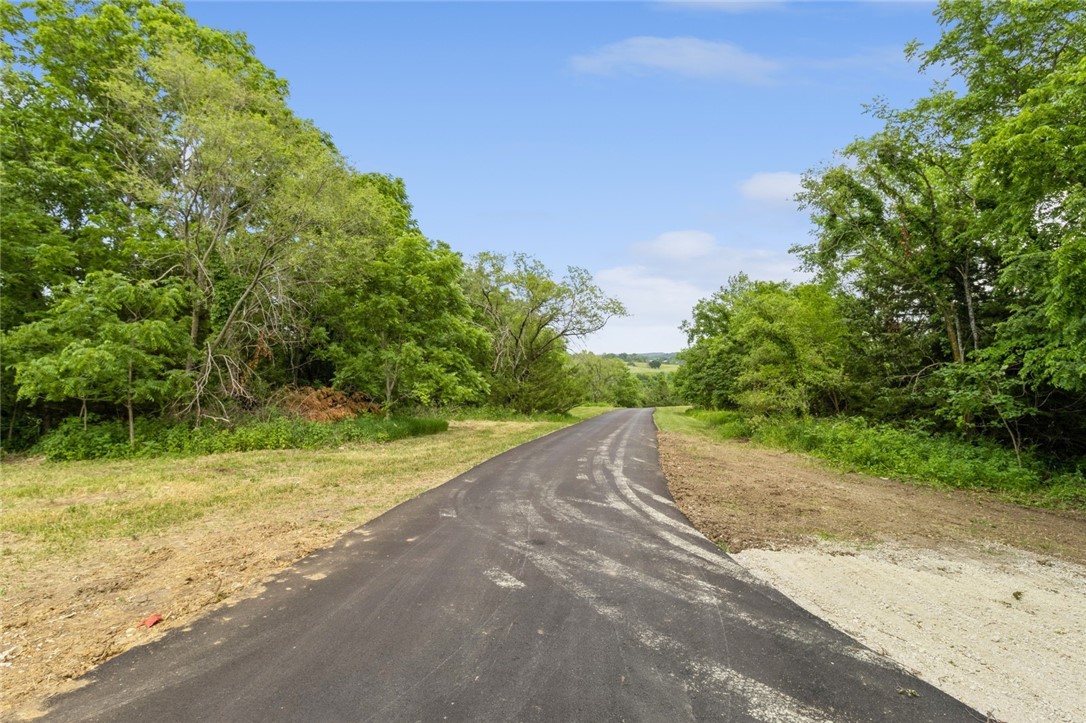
(767, 348)
(106, 339)
(709, 375)
(795, 346)
(956, 231)
(402, 330)
(897, 227)
(531, 317)
(238, 191)
(657, 390)
(144, 144)
(607, 380)
(1035, 166)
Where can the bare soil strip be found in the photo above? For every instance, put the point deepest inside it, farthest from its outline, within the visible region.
(983, 599)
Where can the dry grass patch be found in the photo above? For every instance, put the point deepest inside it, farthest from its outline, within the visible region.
(88, 549)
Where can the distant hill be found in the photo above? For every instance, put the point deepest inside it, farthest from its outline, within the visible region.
(666, 357)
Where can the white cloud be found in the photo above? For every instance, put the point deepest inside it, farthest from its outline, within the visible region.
(661, 296)
(657, 305)
(650, 297)
(772, 187)
(683, 56)
(678, 245)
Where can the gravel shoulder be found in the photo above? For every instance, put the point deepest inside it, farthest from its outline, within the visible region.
(980, 598)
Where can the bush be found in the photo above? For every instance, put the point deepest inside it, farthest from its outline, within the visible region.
(101, 440)
(1067, 491)
(892, 452)
(73, 439)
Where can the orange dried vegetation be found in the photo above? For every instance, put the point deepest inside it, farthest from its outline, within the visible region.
(325, 404)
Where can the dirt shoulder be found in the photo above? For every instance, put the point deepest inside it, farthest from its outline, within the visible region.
(979, 597)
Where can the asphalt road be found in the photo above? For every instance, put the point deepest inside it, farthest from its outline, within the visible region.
(556, 582)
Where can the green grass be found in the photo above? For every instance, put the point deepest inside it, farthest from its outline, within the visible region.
(587, 411)
(676, 419)
(853, 444)
(59, 508)
(72, 440)
(576, 414)
(644, 368)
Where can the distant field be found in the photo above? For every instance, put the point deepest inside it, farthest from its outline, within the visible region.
(644, 368)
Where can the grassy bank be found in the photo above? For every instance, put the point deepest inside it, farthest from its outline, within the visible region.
(73, 440)
(56, 508)
(855, 445)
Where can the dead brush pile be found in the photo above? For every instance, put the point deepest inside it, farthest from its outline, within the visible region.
(325, 404)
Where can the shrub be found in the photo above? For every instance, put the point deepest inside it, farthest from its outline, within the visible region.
(73, 439)
(99, 440)
(1067, 491)
(892, 452)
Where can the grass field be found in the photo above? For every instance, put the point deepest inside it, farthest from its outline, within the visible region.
(644, 368)
(675, 419)
(61, 508)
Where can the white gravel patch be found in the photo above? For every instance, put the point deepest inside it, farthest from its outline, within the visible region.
(998, 628)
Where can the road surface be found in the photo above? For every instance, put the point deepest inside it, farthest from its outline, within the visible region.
(555, 582)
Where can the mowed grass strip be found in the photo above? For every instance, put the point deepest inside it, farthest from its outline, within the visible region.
(675, 419)
(52, 509)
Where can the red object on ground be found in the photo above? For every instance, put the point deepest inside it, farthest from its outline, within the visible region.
(151, 621)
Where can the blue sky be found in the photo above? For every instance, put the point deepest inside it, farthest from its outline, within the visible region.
(656, 144)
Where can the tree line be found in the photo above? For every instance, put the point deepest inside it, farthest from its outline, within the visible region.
(177, 242)
(948, 257)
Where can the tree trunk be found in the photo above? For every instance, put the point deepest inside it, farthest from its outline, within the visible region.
(955, 349)
(968, 288)
(958, 335)
(194, 333)
(11, 422)
(131, 415)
